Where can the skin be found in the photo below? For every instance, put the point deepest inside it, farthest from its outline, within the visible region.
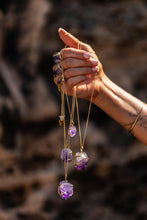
(83, 69)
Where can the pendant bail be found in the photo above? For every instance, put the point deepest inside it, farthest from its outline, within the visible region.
(81, 148)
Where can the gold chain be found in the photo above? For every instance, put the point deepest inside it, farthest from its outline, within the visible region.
(78, 117)
(71, 113)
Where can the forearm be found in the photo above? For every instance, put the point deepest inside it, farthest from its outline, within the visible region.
(123, 107)
(116, 102)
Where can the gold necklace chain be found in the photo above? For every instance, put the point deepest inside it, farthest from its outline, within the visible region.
(71, 113)
(82, 142)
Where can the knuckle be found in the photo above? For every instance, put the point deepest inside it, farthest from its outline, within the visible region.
(67, 63)
(87, 47)
(65, 52)
(69, 84)
(62, 53)
(67, 74)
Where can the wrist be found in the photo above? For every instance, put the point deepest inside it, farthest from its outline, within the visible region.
(100, 97)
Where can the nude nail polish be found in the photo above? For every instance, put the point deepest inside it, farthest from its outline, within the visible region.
(95, 68)
(86, 55)
(94, 62)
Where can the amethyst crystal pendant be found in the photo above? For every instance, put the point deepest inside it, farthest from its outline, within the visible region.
(57, 71)
(61, 119)
(66, 155)
(65, 189)
(72, 131)
(81, 161)
(59, 81)
(57, 57)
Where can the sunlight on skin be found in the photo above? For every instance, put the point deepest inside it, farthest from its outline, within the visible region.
(79, 70)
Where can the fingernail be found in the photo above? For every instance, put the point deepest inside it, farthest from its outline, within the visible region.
(60, 29)
(94, 62)
(86, 55)
(95, 69)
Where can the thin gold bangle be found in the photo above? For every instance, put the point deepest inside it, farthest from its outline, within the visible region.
(135, 121)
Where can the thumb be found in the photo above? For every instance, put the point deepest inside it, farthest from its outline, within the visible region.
(72, 41)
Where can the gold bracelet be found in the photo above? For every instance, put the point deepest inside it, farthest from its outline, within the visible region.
(135, 121)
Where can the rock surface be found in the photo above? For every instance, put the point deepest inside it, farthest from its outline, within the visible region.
(114, 185)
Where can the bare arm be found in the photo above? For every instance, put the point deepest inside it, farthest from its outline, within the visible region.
(84, 70)
(123, 107)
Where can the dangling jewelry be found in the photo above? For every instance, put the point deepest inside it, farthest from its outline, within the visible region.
(65, 189)
(72, 129)
(81, 158)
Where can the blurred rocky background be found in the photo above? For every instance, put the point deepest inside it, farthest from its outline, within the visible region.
(115, 185)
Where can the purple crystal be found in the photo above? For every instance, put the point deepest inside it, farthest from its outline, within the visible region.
(56, 57)
(81, 161)
(65, 190)
(66, 154)
(59, 81)
(57, 71)
(72, 131)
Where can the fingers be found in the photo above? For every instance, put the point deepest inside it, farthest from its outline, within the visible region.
(74, 67)
(73, 72)
(67, 38)
(75, 53)
(71, 82)
(73, 63)
(72, 41)
(79, 63)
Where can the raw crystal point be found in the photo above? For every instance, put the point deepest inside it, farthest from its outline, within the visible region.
(65, 189)
(72, 131)
(66, 154)
(57, 57)
(59, 81)
(81, 160)
(61, 119)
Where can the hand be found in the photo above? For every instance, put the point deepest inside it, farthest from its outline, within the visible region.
(80, 67)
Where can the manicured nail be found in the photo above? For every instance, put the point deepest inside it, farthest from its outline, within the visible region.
(60, 29)
(86, 55)
(95, 69)
(94, 62)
